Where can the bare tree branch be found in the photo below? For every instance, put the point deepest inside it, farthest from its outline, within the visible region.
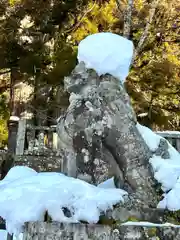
(146, 30)
(128, 19)
(77, 24)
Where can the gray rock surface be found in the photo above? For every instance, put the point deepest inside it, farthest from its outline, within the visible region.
(100, 136)
(59, 231)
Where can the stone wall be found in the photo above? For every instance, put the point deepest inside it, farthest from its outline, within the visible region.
(41, 163)
(59, 231)
(6, 162)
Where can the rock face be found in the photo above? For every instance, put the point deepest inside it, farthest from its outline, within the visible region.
(100, 137)
(162, 149)
(59, 231)
(40, 163)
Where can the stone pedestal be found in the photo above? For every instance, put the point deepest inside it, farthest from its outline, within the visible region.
(60, 231)
(12, 133)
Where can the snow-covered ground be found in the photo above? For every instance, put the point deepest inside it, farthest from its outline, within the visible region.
(169, 132)
(166, 171)
(3, 236)
(25, 195)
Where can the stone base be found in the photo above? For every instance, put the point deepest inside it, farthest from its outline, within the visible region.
(60, 231)
(40, 163)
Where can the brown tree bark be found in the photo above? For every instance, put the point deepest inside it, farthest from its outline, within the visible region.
(128, 19)
(144, 36)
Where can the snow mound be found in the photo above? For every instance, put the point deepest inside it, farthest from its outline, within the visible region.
(109, 183)
(166, 171)
(19, 172)
(3, 236)
(171, 200)
(107, 53)
(27, 198)
(151, 139)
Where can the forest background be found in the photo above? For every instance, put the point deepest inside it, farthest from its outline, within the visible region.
(38, 48)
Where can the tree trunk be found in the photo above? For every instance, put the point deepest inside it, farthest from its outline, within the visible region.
(146, 30)
(128, 19)
(13, 121)
(12, 95)
(35, 97)
(99, 123)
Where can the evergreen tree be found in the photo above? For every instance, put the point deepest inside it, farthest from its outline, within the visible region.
(153, 82)
(38, 45)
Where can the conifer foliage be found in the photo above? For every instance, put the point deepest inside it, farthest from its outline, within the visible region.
(38, 46)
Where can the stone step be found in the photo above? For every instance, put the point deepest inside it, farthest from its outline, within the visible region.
(76, 231)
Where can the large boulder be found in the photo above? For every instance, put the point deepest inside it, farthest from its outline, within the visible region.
(99, 135)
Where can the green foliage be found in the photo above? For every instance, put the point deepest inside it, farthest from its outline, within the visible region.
(3, 133)
(152, 232)
(13, 2)
(153, 82)
(54, 31)
(33, 41)
(4, 116)
(172, 217)
(97, 18)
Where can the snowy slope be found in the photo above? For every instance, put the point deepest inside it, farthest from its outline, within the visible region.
(25, 195)
(27, 198)
(166, 171)
(107, 53)
(3, 236)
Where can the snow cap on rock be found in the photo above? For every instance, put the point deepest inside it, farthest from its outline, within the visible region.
(107, 53)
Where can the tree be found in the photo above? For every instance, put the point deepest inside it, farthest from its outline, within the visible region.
(153, 81)
(34, 50)
(38, 43)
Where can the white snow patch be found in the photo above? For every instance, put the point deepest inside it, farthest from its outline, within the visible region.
(166, 171)
(174, 155)
(26, 22)
(109, 183)
(3, 235)
(151, 139)
(169, 132)
(74, 97)
(18, 172)
(89, 106)
(149, 224)
(171, 200)
(27, 198)
(14, 118)
(107, 53)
